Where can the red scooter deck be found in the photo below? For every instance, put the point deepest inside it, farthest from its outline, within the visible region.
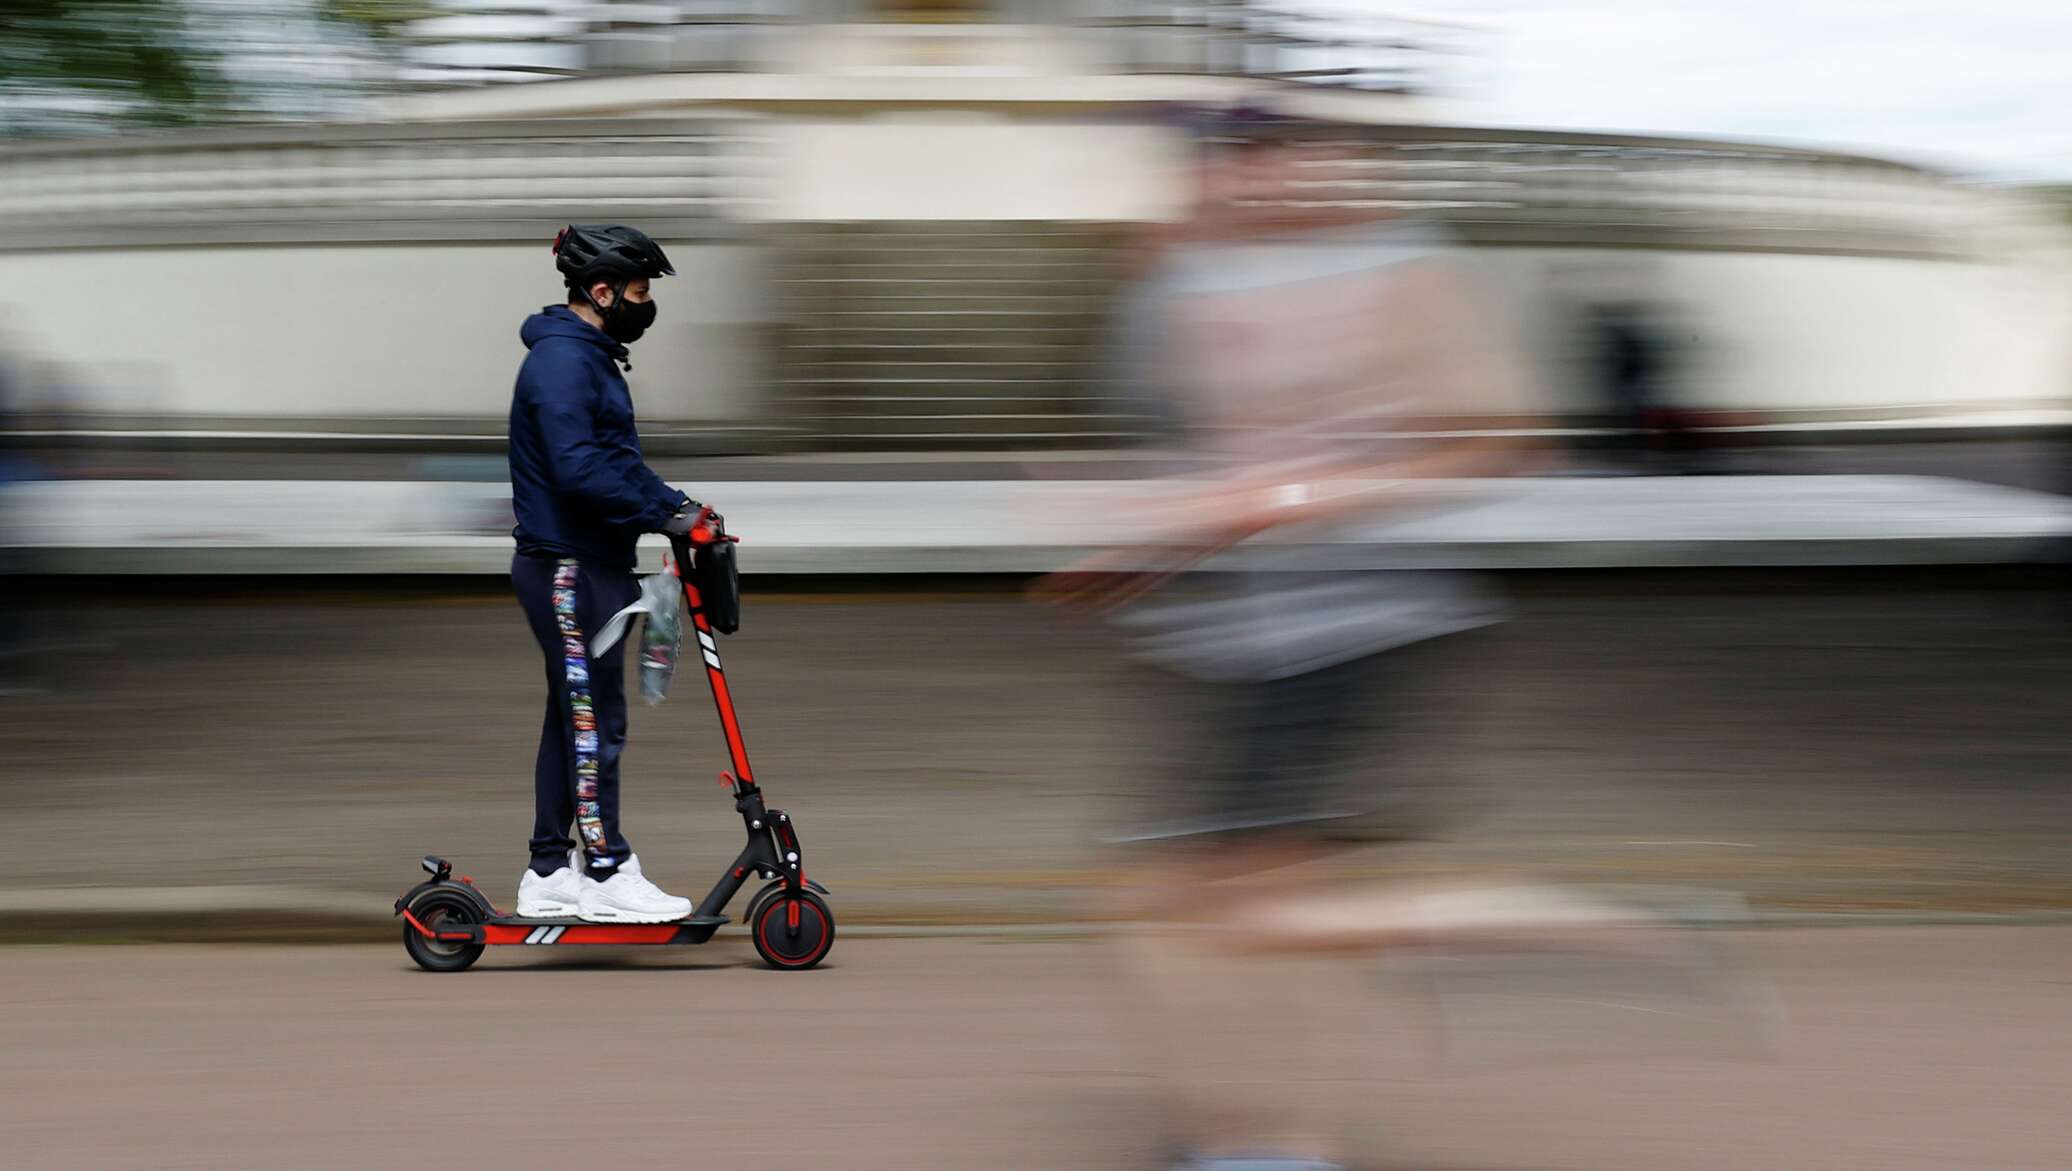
(510, 929)
(546, 932)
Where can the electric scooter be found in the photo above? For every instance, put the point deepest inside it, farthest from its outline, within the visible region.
(447, 922)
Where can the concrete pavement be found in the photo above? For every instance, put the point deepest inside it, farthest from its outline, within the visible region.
(1915, 1050)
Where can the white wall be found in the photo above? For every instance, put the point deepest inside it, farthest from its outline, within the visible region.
(366, 330)
(380, 330)
(1781, 332)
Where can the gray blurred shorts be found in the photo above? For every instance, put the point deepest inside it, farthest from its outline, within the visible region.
(1304, 755)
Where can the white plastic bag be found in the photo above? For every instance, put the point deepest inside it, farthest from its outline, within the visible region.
(661, 599)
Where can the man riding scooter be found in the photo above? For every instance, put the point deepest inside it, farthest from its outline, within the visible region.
(583, 497)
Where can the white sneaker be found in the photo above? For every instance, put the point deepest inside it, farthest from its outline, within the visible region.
(553, 896)
(627, 897)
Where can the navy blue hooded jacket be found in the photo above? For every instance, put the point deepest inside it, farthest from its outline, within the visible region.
(578, 485)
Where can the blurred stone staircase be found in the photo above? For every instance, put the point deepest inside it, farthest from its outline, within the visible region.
(969, 334)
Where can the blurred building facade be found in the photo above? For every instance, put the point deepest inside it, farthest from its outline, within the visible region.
(896, 226)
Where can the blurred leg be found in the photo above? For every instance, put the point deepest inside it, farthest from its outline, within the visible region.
(1242, 1039)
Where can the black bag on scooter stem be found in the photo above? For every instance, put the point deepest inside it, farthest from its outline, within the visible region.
(718, 581)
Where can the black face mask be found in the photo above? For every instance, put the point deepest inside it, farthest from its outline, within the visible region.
(626, 320)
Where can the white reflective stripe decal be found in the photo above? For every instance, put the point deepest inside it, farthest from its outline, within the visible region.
(553, 935)
(705, 640)
(711, 659)
(533, 936)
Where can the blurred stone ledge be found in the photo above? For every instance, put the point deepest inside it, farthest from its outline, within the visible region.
(852, 527)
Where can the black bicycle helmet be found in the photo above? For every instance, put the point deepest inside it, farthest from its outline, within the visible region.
(588, 253)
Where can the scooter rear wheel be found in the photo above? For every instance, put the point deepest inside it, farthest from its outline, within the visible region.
(788, 944)
(435, 909)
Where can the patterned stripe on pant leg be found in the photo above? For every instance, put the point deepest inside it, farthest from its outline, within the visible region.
(582, 717)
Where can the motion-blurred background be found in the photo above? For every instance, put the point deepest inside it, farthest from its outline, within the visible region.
(1791, 283)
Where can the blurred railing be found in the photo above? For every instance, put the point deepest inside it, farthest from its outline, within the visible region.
(370, 183)
(466, 181)
(527, 41)
(1558, 188)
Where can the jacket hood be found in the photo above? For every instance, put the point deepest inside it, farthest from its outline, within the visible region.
(561, 321)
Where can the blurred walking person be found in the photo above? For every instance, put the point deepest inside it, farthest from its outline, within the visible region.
(1285, 334)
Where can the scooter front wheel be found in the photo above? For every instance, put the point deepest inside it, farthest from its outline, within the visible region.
(792, 934)
(436, 909)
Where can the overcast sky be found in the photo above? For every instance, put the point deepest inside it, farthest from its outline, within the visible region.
(1985, 85)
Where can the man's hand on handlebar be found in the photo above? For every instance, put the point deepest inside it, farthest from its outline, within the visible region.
(694, 516)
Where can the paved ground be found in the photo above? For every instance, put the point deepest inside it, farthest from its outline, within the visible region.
(1912, 1050)
(1868, 741)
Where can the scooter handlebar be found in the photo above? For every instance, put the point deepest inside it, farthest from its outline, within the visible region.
(707, 528)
